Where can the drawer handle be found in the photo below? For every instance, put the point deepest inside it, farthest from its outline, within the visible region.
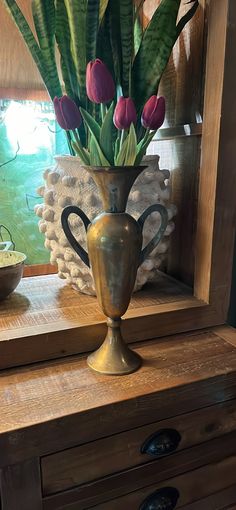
(161, 443)
(162, 499)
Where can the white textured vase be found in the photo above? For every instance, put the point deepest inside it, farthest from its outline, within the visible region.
(67, 183)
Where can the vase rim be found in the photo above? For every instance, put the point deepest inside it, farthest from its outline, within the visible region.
(67, 157)
(113, 169)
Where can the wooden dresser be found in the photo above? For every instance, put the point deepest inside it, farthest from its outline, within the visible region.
(161, 438)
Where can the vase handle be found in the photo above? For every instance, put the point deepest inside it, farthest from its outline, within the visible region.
(158, 236)
(72, 209)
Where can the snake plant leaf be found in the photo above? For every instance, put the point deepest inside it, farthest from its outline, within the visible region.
(102, 9)
(106, 136)
(92, 25)
(63, 41)
(113, 16)
(138, 34)
(76, 11)
(155, 49)
(51, 79)
(44, 22)
(127, 43)
(187, 16)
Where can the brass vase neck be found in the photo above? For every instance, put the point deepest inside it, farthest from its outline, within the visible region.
(114, 184)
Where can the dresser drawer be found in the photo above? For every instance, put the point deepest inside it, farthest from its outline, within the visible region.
(135, 447)
(179, 491)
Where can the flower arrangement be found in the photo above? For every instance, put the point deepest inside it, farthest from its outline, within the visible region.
(111, 68)
(114, 142)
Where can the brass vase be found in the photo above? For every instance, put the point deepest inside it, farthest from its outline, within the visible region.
(115, 252)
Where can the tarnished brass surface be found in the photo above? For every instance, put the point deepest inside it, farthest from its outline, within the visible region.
(114, 357)
(114, 184)
(114, 241)
(114, 245)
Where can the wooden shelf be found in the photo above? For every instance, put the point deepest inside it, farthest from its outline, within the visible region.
(52, 406)
(47, 319)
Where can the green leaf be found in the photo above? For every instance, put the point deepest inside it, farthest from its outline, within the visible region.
(84, 155)
(131, 150)
(138, 34)
(113, 16)
(44, 22)
(92, 24)
(128, 151)
(64, 45)
(127, 43)
(106, 136)
(76, 11)
(91, 123)
(95, 131)
(102, 9)
(142, 147)
(94, 153)
(46, 68)
(155, 49)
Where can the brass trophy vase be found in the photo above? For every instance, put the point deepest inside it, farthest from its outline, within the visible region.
(114, 241)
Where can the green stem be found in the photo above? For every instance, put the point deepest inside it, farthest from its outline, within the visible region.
(122, 138)
(103, 111)
(146, 135)
(69, 139)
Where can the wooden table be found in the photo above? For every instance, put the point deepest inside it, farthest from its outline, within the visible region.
(73, 439)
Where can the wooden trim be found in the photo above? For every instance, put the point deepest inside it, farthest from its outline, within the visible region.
(21, 486)
(39, 269)
(44, 406)
(21, 94)
(216, 207)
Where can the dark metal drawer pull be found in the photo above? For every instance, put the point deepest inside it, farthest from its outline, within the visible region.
(163, 499)
(161, 443)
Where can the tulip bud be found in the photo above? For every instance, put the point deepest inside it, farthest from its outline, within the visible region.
(153, 112)
(67, 113)
(124, 113)
(99, 82)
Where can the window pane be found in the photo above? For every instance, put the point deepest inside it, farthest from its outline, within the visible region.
(29, 138)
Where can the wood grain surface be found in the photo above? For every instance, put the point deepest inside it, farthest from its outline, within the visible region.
(53, 406)
(21, 486)
(216, 473)
(190, 486)
(45, 318)
(118, 452)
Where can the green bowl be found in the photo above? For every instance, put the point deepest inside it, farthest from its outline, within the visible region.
(11, 270)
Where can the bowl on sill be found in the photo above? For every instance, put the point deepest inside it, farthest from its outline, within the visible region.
(11, 270)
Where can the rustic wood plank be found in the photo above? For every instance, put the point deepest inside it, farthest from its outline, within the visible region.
(216, 207)
(213, 462)
(54, 406)
(21, 486)
(45, 318)
(91, 461)
(216, 501)
(39, 269)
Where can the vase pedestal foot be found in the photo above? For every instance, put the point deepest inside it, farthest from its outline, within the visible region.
(114, 357)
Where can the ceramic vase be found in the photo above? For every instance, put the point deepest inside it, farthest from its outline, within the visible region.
(67, 183)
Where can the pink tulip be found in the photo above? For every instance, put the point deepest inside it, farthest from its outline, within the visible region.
(99, 82)
(67, 113)
(124, 113)
(153, 112)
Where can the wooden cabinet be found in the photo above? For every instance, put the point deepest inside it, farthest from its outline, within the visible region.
(165, 436)
(72, 439)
